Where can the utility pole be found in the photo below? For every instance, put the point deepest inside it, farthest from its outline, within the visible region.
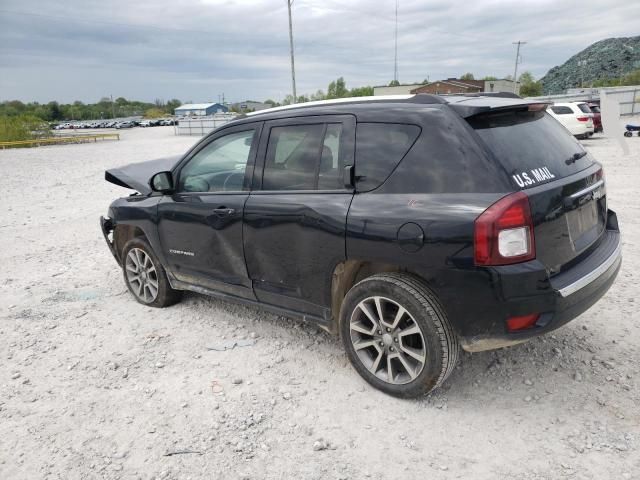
(581, 64)
(395, 56)
(293, 67)
(113, 109)
(515, 70)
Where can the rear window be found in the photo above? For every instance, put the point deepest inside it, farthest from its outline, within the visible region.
(532, 146)
(379, 149)
(584, 108)
(561, 110)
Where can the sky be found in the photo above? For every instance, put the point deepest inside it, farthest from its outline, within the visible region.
(198, 50)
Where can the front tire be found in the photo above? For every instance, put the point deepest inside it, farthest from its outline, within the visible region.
(145, 277)
(397, 335)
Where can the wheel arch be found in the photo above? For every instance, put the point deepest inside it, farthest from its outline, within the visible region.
(346, 274)
(123, 233)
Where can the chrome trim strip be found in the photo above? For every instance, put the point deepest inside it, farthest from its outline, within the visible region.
(595, 186)
(593, 275)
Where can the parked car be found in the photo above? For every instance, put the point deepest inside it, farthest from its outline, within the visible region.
(124, 125)
(408, 225)
(575, 116)
(145, 123)
(597, 117)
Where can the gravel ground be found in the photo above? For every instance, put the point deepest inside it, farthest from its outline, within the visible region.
(95, 385)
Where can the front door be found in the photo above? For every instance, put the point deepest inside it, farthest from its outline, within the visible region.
(200, 225)
(294, 220)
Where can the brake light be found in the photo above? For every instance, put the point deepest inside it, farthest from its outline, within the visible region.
(515, 324)
(583, 119)
(503, 233)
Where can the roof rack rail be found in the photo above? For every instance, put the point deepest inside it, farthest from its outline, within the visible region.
(492, 94)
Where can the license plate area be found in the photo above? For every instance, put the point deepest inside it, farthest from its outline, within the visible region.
(586, 222)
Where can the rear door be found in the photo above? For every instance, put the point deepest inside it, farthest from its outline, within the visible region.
(565, 185)
(294, 219)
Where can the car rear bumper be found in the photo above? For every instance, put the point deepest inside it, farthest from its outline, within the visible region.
(567, 295)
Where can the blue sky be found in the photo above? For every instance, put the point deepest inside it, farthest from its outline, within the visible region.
(197, 50)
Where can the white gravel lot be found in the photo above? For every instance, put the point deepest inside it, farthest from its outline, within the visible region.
(95, 385)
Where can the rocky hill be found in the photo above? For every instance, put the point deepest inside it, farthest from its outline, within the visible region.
(604, 59)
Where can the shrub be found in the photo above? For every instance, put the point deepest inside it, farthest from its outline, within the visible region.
(22, 127)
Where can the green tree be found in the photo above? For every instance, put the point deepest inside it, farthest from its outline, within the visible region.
(361, 92)
(288, 100)
(528, 85)
(54, 113)
(172, 105)
(490, 77)
(394, 83)
(154, 113)
(337, 89)
(319, 95)
(22, 127)
(467, 76)
(273, 103)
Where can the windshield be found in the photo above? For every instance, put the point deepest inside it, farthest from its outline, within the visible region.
(532, 146)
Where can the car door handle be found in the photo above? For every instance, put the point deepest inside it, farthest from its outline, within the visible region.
(224, 211)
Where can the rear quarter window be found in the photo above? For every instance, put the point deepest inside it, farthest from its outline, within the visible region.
(532, 146)
(561, 110)
(584, 108)
(379, 149)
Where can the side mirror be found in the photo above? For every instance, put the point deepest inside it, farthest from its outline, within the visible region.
(162, 182)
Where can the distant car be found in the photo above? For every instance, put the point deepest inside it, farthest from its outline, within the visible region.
(575, 116)
(145, 123)
(597, 117)
(124, 125)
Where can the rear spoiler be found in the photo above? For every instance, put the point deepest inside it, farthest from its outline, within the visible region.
(477, 105)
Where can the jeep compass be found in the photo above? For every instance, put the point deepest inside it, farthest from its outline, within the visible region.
(410, 226)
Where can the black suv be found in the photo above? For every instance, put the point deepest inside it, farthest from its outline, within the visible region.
(409, 225)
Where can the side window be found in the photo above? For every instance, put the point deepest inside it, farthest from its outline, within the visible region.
(330, 172)
(561, 110)
(220, 166)
(379, 149)
(303, 157)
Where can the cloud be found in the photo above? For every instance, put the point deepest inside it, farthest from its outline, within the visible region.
(197, 50)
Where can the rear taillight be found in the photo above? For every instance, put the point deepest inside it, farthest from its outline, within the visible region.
(583, 119)
(503, 233)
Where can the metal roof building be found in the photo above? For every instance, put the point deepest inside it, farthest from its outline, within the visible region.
(200, 109)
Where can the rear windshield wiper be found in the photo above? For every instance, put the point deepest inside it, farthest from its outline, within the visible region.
(575, 157)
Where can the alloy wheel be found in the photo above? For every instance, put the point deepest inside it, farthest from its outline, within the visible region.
(387, 340)
(141, 275)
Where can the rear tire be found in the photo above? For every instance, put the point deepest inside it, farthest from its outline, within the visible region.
(397, 336)
(145, 277)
